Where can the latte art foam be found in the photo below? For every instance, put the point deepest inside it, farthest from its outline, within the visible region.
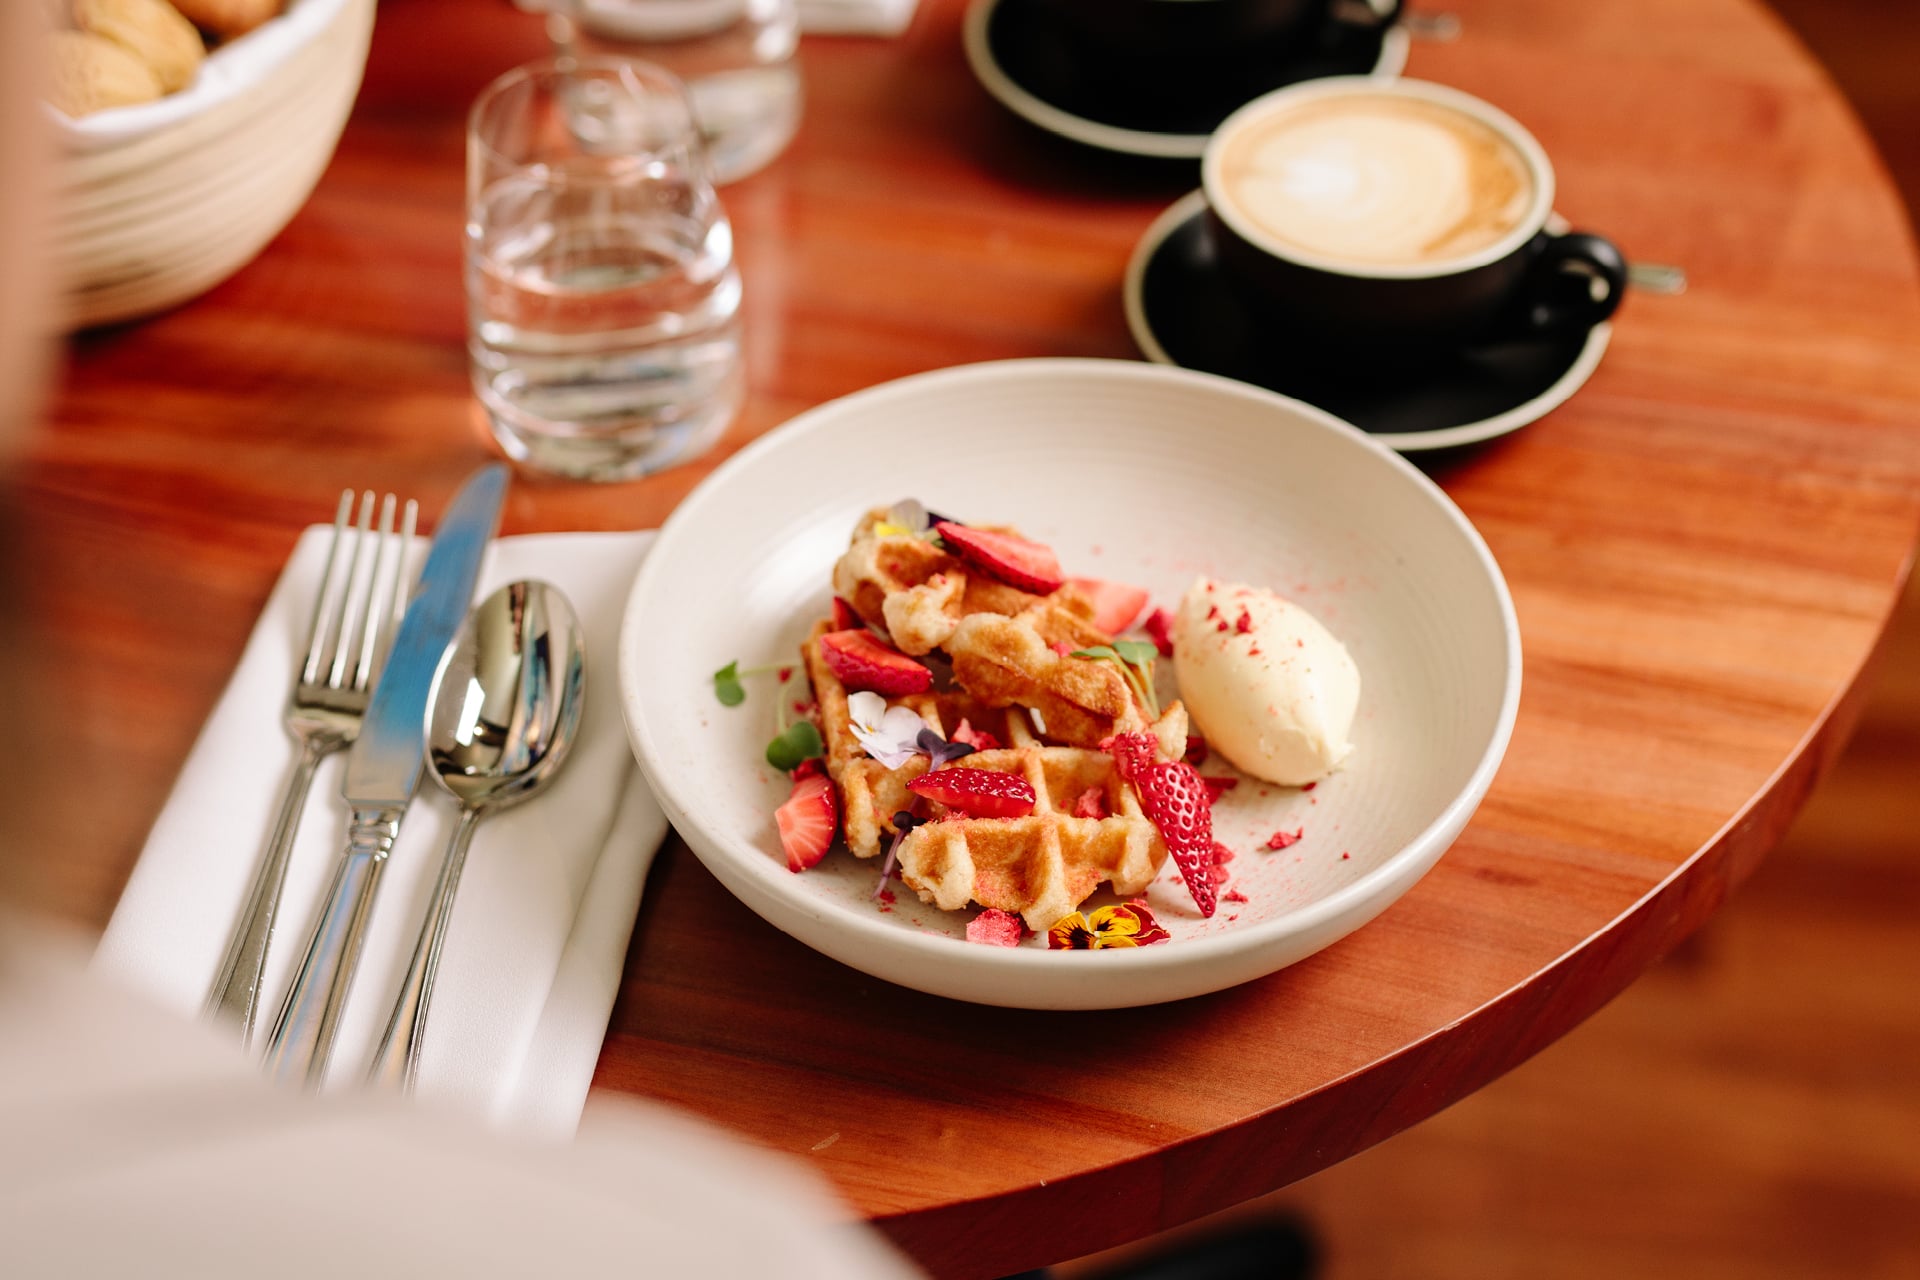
(1374, 179)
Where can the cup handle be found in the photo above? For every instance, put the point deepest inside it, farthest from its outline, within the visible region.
(1367, 13)
(1575, 283)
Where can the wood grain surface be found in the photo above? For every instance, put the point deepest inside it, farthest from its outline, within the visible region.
(1703, 547)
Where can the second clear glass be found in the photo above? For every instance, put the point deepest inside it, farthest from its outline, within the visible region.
(735, 56)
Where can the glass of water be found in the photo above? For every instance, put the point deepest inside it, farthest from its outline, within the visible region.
(602, 297)
(735, 56)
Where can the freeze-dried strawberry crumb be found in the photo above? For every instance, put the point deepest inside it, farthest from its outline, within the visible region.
(1159, 629)
(978, 739)
(1092, 803)
(1220, 625)
(1243, 623)
(1234, 895)
(1217, 787)
(803, 708)
(784, 674)
(1309, 786)
(995, 928)
(1196, 750)
(1345, 856)
(1213, 612)
(1254, 652)
(886, 896)
(1281, 839)
(1221, 854)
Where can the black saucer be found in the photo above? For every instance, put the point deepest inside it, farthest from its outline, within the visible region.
(1181, 312)
(1148, 105)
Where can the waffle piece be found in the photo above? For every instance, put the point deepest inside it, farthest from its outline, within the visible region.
(914, 590)
(1007, 661)
(1046, 864)
(871, 793)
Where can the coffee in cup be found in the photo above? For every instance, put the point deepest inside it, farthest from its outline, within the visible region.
(1186, 28)
(1374, 213)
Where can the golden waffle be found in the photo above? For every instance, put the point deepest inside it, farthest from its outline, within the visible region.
(1046, 864)
(871, 793)
(914, 590)
(1006, 661)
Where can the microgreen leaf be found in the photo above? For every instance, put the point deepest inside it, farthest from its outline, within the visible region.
(727, 687)
(1098, 651)
(801, 741)
(1138, 652)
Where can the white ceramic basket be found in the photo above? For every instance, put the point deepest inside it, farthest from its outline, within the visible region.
(160, 202)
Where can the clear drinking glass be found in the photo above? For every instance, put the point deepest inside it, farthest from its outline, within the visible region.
(736, 57)
(602, 297)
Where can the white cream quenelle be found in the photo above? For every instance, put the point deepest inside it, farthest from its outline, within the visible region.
(1266, 684)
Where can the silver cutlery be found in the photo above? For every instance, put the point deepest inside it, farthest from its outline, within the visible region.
(1657, 277)
(383, 769)
(504, 714)
(363, 591)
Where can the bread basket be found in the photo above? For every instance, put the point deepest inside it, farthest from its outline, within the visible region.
(160, 202)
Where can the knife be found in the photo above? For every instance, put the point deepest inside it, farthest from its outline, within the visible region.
(383, 769)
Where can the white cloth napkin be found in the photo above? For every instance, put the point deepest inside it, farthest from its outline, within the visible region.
(817, 17)
(856, 17)
(546, 904)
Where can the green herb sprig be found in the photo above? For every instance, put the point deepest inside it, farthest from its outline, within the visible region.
(1135, 659)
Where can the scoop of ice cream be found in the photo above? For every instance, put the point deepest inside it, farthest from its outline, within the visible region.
(1266, 684)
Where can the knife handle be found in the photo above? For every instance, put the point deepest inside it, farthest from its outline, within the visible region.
(309, 1020)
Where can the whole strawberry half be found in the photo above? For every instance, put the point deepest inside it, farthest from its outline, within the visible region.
(978, 793)
(1008, 557)
(862, 662)
(1176, 801)
(807, 822)
(1115, 604)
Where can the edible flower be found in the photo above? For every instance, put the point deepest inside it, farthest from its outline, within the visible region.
(1123, 925)
(909, 518)
(891, 736)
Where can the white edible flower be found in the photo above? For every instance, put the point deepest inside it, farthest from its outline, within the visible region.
(891, 737)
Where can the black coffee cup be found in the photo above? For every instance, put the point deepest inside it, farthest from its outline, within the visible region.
(1522, 276)
(1185, 28)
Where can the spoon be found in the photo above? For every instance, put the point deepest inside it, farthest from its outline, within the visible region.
(504, 712)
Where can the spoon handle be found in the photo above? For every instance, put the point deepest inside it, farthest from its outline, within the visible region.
(396, 1063)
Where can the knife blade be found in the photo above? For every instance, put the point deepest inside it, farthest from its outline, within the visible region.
(383, 771)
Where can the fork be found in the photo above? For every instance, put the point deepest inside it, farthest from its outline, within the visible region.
(363, 591)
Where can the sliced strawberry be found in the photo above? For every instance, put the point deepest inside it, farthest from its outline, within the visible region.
(1008, 557)
(1175, 801)
(1133, 753)
(978, 793)
(862, 662)
(844, 618)
(1159, 628)
(1115, 604)
(807, 822)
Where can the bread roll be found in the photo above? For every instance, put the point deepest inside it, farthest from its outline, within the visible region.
(228, 18)
(152, 31)
(92, 73)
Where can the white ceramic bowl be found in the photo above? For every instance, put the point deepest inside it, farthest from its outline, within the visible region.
(1132, 472)
(160, 202)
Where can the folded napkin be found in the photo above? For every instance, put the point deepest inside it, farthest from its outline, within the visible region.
(856, 17)
(546, 904)
(817, 17)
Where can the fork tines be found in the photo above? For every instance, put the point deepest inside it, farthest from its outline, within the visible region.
(363, 588)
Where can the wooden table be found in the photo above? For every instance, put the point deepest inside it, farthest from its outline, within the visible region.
(1703, 547)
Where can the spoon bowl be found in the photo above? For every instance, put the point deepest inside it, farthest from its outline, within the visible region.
(503, 717)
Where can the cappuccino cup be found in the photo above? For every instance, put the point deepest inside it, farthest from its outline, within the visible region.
(1367, 217)
(1184, 28)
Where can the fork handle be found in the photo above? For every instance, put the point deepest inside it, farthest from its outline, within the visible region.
(236, 989)
(309, 1020)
